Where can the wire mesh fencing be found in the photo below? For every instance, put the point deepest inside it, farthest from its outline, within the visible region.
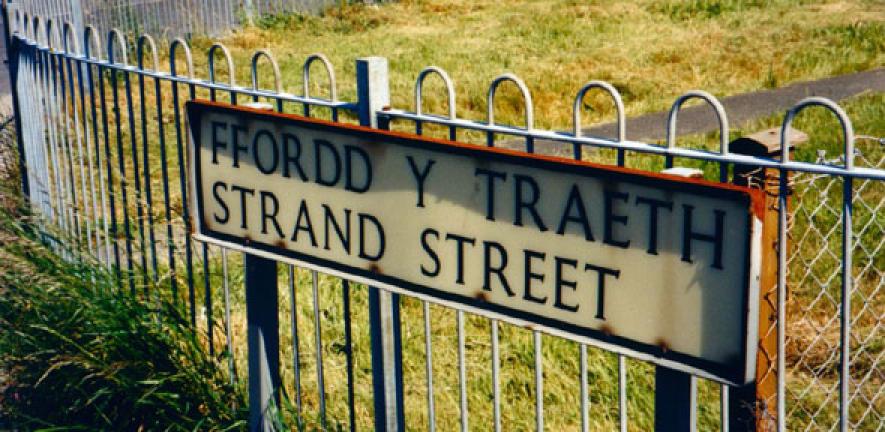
(814, 339)
(169, 19)
(105, 139)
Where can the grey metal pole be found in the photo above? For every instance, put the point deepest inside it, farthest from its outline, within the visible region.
(12, 64)
(387, 381)
(675, 401)
(263, 341)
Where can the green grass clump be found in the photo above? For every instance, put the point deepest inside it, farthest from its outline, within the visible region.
(78, 354)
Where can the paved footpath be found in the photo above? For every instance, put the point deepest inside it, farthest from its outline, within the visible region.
(740, 109)
(745, 107)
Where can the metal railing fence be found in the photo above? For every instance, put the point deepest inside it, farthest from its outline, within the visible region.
(103, 140)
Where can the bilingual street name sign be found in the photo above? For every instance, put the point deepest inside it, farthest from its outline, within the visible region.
(658, 267)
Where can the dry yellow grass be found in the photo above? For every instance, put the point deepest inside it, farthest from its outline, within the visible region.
(651, 50)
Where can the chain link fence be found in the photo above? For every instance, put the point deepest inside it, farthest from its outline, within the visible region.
(814, 269)
(169, 18)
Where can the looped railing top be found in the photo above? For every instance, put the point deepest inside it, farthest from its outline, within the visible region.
(277, 80)
(717, 107)
(616, 97)
(330, 72)
(116, 34)
(847, 128)
(419, 86)
(68, 33)
(16, 18)
(230, 63)
(36, 34)
(24, 26)
(527, 98)
(139, 52)
(90, 41)
(53, 36)
(188, 58)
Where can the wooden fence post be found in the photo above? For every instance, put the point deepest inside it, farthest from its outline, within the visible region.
(753, 407)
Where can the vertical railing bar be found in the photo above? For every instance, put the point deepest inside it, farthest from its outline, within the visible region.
(462, 368)
(781, 299)
(48, 127)
(207, 286)
(136, 175)
(539, 382)
(28, 156)
(55, 167)
(207, 299)
(122, 166)
(164, 161)
(147, 171)
(68, 105)
(63, 108)
(38, 137)
(428, 348)
(67, 158)
(231, 363)
(40, 134)
(428, 355)
(296, 356)
(723, 178)
(91, 167)
(103, 192)
(65, 161)
(192, 90)
(847, 273)
(321, 388)
(496, 376)
(723, 408)
(182, 176)
(64, 117)
(348, 346)
(585, 397)
(622, 393)
(78, 132)
(847, 285)
(109, 168)
(37, 141)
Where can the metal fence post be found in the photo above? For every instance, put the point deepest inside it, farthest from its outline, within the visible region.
(12, 64)
(263, 341)
(675, 401)
(676, 393)
(384, 320)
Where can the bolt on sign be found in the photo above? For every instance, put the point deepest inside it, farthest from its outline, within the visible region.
(658, 267)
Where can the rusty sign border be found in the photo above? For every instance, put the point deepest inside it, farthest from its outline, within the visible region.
(733, 374)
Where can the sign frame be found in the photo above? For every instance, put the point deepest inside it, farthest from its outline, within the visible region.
(739, 373)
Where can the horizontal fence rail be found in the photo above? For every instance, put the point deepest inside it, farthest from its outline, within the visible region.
(103, 134)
